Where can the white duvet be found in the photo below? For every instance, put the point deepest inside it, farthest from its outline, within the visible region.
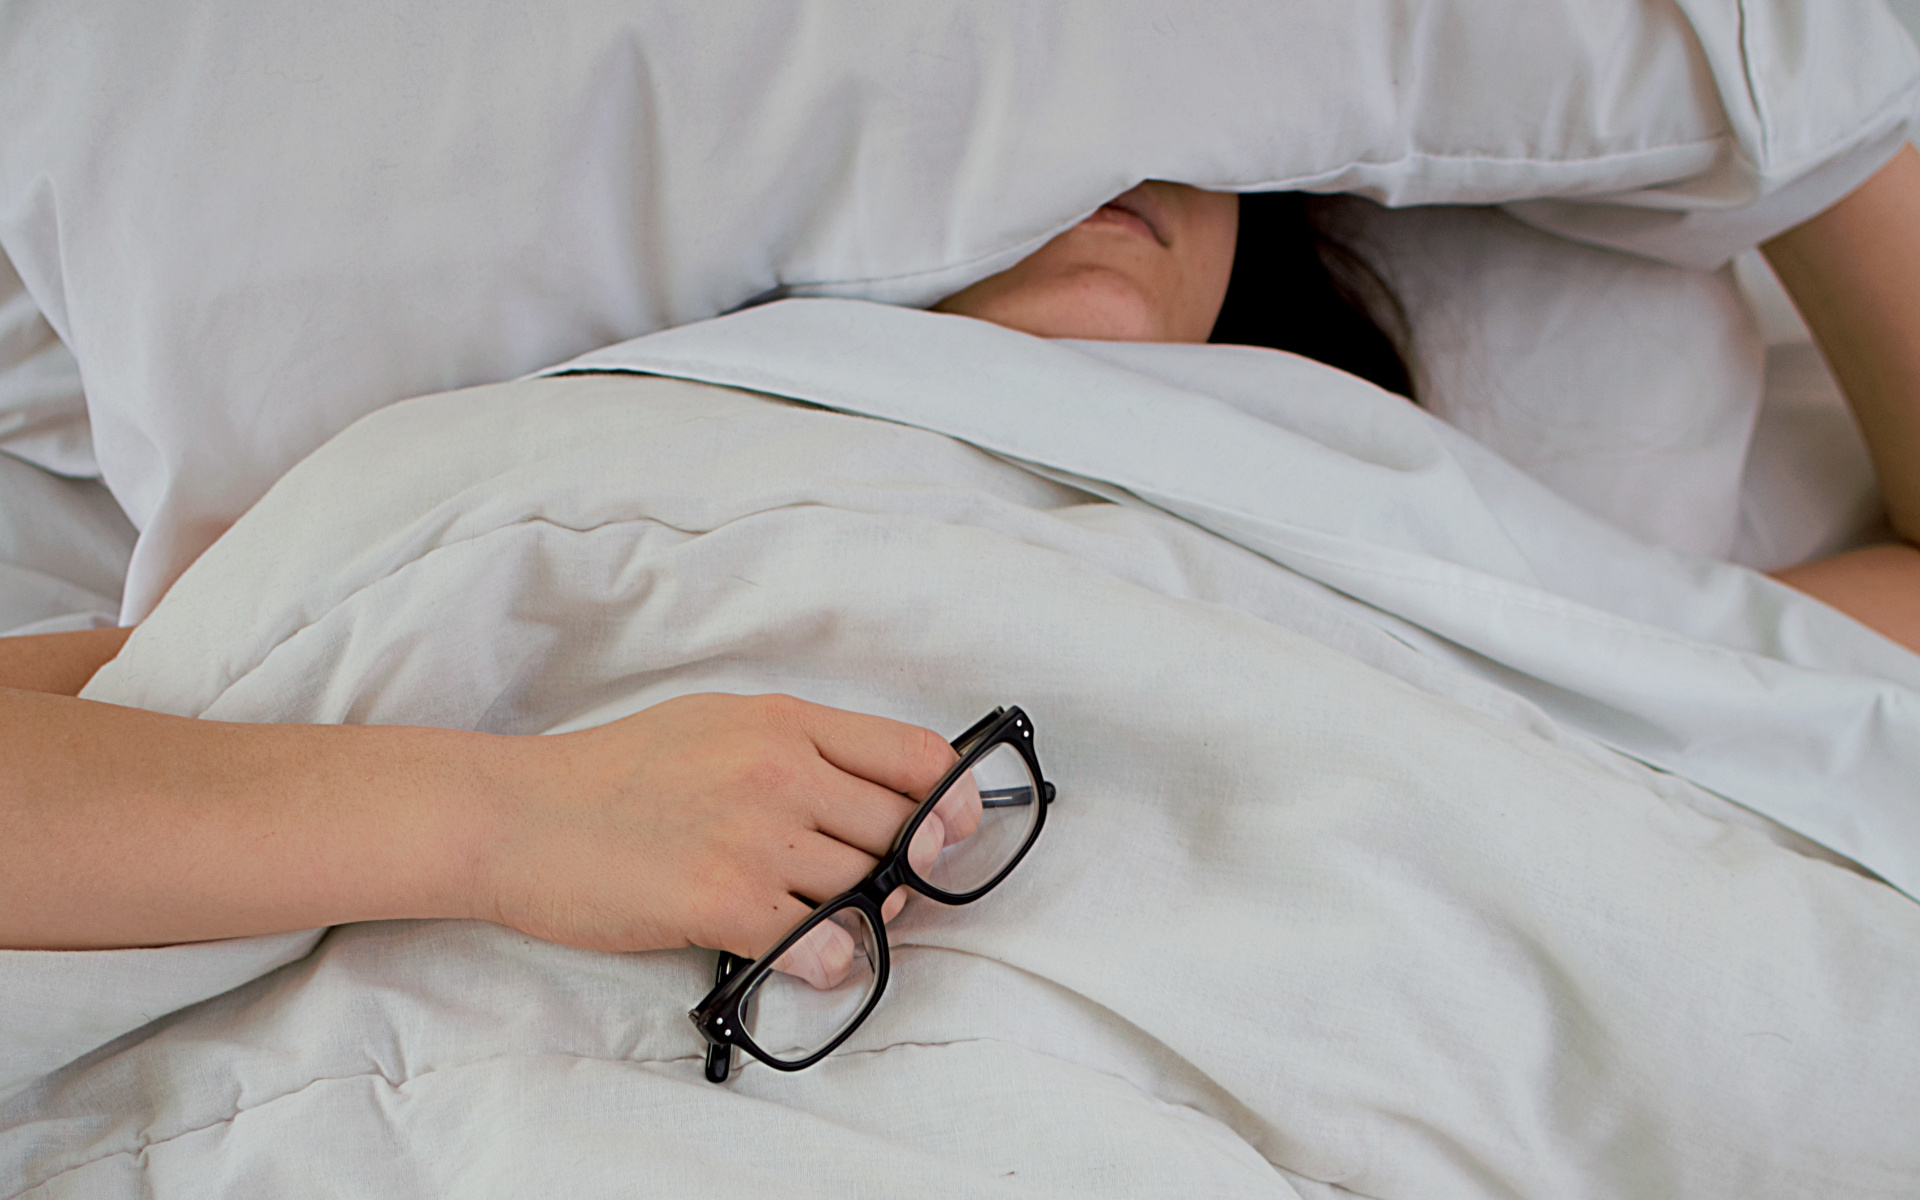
(1320, 903)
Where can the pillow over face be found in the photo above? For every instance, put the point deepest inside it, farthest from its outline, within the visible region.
(254, 223)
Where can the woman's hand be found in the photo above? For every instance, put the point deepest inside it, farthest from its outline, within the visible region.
(710, 820)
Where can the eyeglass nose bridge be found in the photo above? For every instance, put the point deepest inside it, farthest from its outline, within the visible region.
(882, 884)
(899, 874)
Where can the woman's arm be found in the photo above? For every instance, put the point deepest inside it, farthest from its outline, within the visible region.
(1878, 586)
(60, 663)
(1854, 274)
(701, 820)
(130, 828)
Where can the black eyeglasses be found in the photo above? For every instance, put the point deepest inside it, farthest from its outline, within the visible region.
(992, 803)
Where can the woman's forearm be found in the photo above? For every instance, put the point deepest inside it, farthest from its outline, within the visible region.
(60, 663)
(1878, 587)
(130, 828)
(1854, 274)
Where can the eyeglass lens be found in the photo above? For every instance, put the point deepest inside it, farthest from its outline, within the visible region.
(792, 1016)
(986, 817)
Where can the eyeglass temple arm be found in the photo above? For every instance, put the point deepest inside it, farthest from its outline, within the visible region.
(1013, 797)
(719, 1054)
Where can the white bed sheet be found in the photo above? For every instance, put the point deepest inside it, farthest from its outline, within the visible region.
(256, 225)
(64, 547)
(1315, 904)
(1633, 389)
(64, 543)
(1629, 387)
(1699, 667)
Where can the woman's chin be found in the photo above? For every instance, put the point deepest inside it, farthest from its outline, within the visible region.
(1098, 306)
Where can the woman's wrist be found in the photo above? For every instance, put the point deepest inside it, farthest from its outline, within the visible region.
(522, 826)
(441, 853)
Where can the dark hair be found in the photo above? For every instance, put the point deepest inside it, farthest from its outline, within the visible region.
(1295, 288)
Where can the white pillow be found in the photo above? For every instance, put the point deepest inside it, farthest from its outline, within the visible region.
(64, 546)
(43, 414)
(255, 223)
(1628, 386)
(1688, 407)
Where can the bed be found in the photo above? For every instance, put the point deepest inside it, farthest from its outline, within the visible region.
(1400, 849)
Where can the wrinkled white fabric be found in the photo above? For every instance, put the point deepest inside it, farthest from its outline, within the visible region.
(254, 224)
(83, 1001)
(1627, 386)
(64, 546)
(1759, 52)
(1809, 489)
(1698, 667)
(43, 410)
(1311, 904)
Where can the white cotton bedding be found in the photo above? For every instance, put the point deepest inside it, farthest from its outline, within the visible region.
(1320, 903)
(1701, 668)
(1627, 386)
(64, 543)
(64, 547)
(257, 223)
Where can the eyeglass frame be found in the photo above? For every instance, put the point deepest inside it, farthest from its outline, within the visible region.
(717, 1017)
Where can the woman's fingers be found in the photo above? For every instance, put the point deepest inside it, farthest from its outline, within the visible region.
(960, 808)
(775, 916)
(819, 867)
(928, 841)
(908, 759)
(864, 815)
(869, 819)
(824, 957)
(895, 902)
(825, 869)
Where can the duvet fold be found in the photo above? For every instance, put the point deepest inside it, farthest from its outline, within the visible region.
(1322, 903)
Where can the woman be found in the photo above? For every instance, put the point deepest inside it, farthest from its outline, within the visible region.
(1218, 287)
(1849, 270)
(705, 819)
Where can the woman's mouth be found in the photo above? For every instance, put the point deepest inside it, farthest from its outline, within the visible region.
(1134, 211)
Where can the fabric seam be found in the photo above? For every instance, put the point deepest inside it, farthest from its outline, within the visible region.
(144, 1144)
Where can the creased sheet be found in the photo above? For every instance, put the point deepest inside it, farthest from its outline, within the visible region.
(1707, 670)
(1313, 904)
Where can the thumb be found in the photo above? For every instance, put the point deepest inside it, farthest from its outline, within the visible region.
(928, 841)
(823, 958)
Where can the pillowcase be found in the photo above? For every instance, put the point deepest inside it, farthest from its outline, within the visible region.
(43, 412)
(64, 544)
(253, 223)
(1628, 386)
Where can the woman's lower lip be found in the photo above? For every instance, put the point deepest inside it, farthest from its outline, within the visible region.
(1108, 214)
